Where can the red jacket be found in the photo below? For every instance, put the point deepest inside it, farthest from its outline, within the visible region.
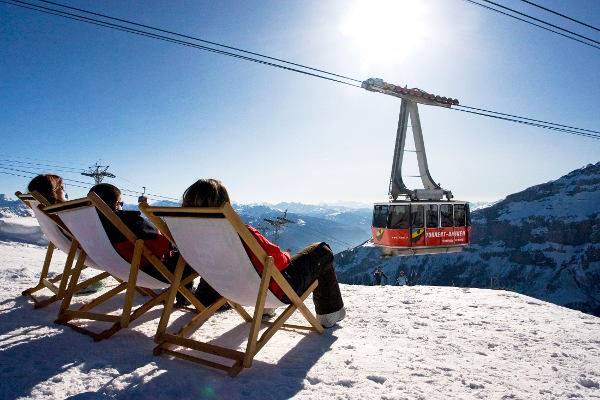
(281, 258)
(153, 239)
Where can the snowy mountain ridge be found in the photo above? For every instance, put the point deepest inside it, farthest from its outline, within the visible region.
(342, 227)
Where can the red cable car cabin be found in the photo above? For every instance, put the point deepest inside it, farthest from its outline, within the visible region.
(409, 227)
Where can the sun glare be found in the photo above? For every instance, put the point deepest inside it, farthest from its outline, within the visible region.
(386, 31)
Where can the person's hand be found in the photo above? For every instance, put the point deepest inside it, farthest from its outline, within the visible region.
(142, 199)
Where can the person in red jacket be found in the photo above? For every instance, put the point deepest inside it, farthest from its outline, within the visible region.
(142, 229)
(315, 261)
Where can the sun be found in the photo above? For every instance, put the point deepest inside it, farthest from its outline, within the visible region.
(386, 31)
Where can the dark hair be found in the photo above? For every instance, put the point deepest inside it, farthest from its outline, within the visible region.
(108, 193)
(47, 185)
(205, 193)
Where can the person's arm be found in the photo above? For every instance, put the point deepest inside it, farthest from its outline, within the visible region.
(282, 259)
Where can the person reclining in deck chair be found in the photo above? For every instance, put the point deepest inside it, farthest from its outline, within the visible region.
(315, 261)
(153, 239)
(49, 186)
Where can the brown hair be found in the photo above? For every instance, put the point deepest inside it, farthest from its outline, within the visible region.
(108, 193)
(47, 185)
(205, 193)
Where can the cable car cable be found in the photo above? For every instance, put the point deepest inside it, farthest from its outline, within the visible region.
(66, 169)
(532, 23)
(542, 21)
(74, 182)
(528, 119)
(176, 41)
(559, 14)
(198, 39)
(161, 37)
(76, 171)
(533, 124)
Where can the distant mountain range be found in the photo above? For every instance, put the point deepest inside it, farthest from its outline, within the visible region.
(342, 226)
(543, 242)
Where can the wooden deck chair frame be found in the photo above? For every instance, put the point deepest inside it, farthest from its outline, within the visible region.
(240, 359)
(127, 315)
(57, 284)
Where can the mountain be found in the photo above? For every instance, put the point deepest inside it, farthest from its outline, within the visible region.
(13, 208)
(543, 242)
(342, 227)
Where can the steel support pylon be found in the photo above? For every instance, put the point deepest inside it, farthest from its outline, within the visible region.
(431, 190)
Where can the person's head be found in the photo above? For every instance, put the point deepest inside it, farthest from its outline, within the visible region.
(49, 186)
(378, 268)
(205, 193)
(110, 194)
(401, 273)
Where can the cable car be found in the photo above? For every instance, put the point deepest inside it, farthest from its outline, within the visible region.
(422, 222)
(421, 227)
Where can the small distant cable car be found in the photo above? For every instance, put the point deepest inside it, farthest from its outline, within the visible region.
(422, 223)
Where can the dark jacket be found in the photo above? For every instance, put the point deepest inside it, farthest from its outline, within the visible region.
(142, 229)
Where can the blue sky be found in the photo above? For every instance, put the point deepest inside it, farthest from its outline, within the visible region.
(164, 115)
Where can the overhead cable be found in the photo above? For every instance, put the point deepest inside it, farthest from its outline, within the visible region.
(560, 15)
(93, 21)
(127, 29)
(200, 40)
(77, 171)
(542, 21)
(529, 119)
(87, 185)
(533, 23)
(572, 132)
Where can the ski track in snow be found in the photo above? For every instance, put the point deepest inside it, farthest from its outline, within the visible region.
(416, 342)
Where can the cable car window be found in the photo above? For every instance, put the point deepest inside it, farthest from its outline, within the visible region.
(468, 214)
(417, 214)
(380, 214)
(399, 217)
(459, 215)
(431, 215)
(446, 215)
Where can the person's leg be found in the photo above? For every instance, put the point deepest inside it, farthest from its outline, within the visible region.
(170, 261)
(316, 262)
(206, 294)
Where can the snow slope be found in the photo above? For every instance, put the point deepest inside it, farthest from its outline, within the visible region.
(419, 342)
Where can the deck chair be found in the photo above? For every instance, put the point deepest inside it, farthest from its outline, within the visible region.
(210, 241)
(59, 237)
(82, 219)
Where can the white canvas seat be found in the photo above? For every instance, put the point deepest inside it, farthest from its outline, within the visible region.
(60, 239)
(211, 241)
(213, 248)
(86, 226)
(82, 219)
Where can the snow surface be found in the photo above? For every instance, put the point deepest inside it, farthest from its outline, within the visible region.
(23, 229)
(417, 342)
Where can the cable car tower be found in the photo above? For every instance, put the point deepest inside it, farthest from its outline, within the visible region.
(277, 223)
(421, 223)
(99, 172)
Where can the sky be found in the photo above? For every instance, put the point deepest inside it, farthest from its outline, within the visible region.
(163, 115)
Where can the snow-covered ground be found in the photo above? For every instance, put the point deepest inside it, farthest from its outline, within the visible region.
(416, 342)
